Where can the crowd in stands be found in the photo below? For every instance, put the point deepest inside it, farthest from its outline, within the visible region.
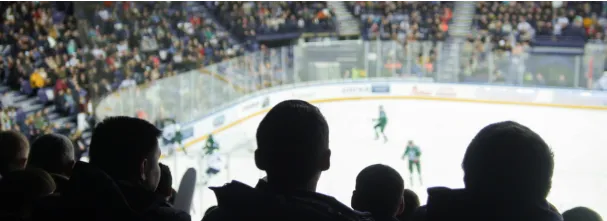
(403, 21)
(418, 26)
(247, 20)
(41, 57)
(508, 30)
(507, 167)
(525, 20)
(68, 65)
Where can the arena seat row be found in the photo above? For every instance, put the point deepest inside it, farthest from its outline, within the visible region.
(55, 68)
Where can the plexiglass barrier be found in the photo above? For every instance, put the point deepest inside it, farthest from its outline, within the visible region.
(192, 95)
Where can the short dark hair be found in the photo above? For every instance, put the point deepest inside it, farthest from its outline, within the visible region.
(53, 153)
(165, 185)
(19, 188)
(581, 214)
(13, 144)
(411, 205)
(379, 190)
(29, 183)
(509, 160)
(210, 209)
(120, 144)
(290, 141)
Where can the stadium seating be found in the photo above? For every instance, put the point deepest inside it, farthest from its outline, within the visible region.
(62, 69)
(57, 65)
(255, 21)
(416, 25)
(532, 21)
(423, 21)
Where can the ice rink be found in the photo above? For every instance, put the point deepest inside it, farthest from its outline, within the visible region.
(442, 130)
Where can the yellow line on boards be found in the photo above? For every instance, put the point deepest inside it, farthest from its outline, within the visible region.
(393, 97)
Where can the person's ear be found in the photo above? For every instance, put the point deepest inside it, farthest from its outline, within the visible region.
(69, 167)
(169, 194)
(401, 206)
(325, 160)
(22, 162)
(142, 169)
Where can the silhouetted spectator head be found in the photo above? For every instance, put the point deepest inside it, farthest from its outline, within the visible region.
(53, 153)
(510, 161)
(379, 190)
(210, 209)
(293, 145)
(165, 185)
(126, 148)
(411, 204)
(14, 151)
(19, 189)
(581, 214)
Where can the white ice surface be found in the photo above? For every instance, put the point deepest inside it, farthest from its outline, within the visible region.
(442, 130)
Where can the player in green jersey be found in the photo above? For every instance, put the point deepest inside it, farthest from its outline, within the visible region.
(380, 124)
(211, 146)
(178, 139)
(413, 153)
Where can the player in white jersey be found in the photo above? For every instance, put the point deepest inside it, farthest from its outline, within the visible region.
(214, 165)
(173, 137)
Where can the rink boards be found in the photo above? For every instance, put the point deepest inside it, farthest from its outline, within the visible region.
(260, 102)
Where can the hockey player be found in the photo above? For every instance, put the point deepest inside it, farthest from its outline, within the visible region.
(211, 146)
(178, 138)
(413, 153)
(172, 136)
(214, 166)
(380, 124)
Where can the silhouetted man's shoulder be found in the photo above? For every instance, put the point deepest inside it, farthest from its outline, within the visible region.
(168, 214)
(459, 204)
(93, 195)
(237, 201)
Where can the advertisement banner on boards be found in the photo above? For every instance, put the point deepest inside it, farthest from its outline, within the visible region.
(585, 98)
(219, 120)
(421, 90)
(380, 88)
(251, 106)
(356, 90)
(445, 91)
(303, 94)
(506, 94)
(187, 132)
